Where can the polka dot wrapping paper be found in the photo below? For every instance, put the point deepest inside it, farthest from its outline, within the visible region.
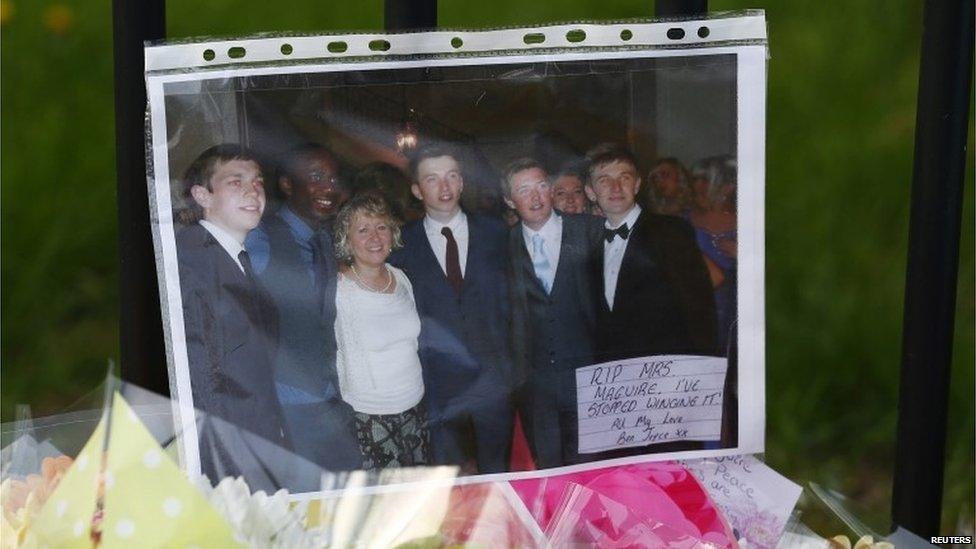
(65, 520)
(146, 501)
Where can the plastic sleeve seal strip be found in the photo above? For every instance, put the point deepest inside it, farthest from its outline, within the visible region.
(255, 51)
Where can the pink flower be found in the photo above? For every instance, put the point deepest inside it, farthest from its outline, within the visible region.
(664, 494)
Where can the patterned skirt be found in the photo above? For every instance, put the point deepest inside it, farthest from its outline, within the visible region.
(394, 440)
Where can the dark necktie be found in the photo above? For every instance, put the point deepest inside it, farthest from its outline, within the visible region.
(246, 263)
(622, 231)
(254, 297)
(452, 263)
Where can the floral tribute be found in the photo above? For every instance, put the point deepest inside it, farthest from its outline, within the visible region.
(641, 505)
(22, 499)
(124, 490)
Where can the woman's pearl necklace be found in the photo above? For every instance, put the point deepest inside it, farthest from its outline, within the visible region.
(366, 286)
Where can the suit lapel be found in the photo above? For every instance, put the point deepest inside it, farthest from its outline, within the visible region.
(596, 272)
(523, 262)
(329, 277)
(576, 259)
(473, 264)
(427, 265)
(252, 295)
(227, 268)
(568, 250)
(240, 306)
(636, 256)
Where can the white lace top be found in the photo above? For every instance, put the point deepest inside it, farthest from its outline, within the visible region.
(376, 335)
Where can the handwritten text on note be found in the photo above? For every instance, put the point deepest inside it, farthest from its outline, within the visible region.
(755, 499)
(649, 400)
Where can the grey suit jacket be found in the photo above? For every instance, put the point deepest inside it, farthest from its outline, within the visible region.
(553, 334)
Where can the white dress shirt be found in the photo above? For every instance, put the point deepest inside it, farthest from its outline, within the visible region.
(438, 242)
(226, 241)
(552, 237)
(613, 255)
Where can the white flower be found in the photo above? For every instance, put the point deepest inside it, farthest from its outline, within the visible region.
(865, 542)
(260, 520)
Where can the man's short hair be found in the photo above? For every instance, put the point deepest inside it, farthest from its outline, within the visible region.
(516, 166)
(288, 161)
(605, 153)
(200, 172)
(433, 150)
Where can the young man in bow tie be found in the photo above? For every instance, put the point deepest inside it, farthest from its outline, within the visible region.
(657, 298)
(554, 309)
(457, 265)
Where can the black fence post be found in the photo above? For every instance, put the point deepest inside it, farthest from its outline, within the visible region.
(942, 118)
(143, 357)
(409, 14)
(680, 8)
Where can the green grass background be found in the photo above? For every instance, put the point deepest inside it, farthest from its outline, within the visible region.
(841, 114)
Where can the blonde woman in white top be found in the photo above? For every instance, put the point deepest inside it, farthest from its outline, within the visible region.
(376, 333)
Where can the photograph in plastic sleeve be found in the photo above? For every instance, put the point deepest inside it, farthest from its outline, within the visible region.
(499, 263)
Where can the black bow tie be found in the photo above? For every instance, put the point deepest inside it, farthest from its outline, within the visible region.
(622, 231)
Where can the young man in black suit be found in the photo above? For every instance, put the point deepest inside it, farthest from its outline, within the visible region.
(554, 309)
(229, 321)
(457, 265)
(293, 257)
(657, 297)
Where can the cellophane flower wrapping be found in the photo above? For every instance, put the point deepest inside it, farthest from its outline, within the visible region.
(124, 485)
(640, 505)
(35, 456)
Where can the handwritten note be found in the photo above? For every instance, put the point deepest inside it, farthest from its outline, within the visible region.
(649, 400)
(755, 499)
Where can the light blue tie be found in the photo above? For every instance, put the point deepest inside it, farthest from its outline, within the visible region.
(540, 262)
